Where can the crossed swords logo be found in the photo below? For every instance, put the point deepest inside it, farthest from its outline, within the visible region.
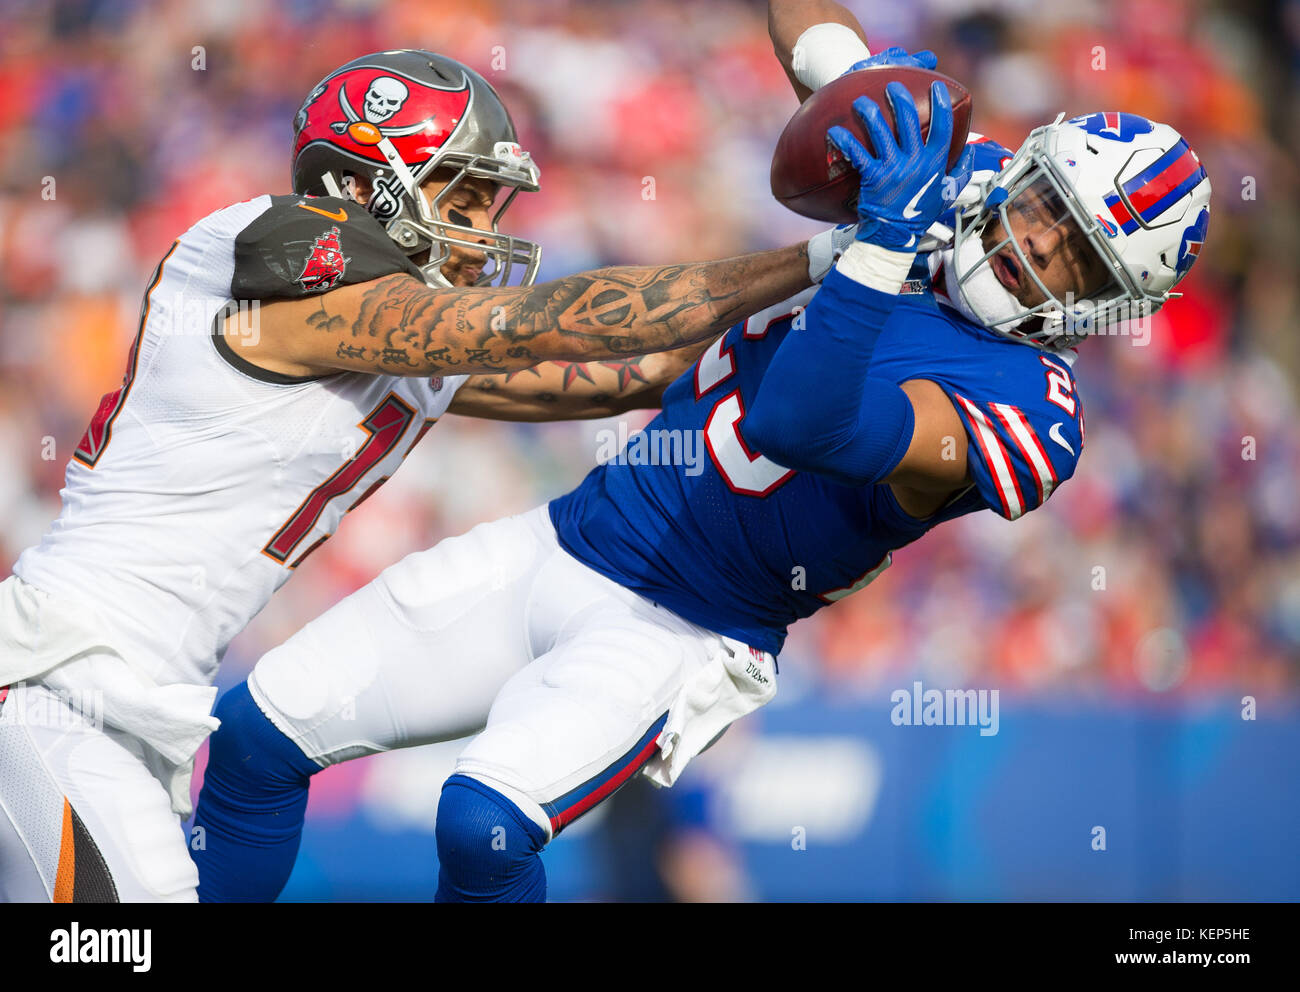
(383, 99)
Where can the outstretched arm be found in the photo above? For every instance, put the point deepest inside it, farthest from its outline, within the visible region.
(575, 390)
(396, 325)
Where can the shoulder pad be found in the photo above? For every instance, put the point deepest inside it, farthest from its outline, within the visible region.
(303, 245)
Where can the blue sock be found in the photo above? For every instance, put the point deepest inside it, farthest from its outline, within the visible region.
(488, 850)
(252, 805)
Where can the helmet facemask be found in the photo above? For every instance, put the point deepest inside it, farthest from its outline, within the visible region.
(1031, 203)
(417, 225)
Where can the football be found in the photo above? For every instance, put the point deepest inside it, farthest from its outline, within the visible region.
(811, 177)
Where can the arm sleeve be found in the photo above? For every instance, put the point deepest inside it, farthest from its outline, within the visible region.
(817, 408)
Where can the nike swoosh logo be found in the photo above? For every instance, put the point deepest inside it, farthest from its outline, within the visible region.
(910, 210)
(338, 214)
(1055, 435)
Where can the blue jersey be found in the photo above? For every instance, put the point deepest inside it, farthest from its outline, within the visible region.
(744, 546)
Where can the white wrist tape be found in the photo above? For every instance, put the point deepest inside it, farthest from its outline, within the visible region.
(876, 268)
(825, 52)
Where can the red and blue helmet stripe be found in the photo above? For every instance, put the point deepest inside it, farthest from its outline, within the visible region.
(1120, 212)
(1163, 183)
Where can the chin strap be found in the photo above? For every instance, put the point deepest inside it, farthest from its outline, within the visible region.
(400, 169)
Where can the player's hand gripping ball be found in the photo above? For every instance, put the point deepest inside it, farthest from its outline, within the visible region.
(810, 174)
(905, 185)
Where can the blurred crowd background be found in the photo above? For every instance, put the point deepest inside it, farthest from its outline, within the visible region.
(1165, 573)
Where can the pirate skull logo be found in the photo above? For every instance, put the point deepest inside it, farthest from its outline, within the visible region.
(384, 98)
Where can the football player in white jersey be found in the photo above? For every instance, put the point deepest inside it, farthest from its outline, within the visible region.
(291, 351)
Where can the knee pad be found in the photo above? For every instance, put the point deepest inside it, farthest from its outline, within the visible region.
(488, 849)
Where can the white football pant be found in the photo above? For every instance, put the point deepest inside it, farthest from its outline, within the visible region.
(570, 673)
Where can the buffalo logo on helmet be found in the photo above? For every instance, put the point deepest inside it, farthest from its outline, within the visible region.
(1114, 125)
(358, 108)
(1193, 239)
(325, 263)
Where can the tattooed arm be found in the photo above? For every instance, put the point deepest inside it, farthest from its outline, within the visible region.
(574, 390)
(396, 325)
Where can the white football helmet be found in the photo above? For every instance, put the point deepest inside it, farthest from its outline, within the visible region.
(1120, 203)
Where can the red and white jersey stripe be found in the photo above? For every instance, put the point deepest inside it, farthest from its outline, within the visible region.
(1018, 456)
(997, 459)
(1031, 449)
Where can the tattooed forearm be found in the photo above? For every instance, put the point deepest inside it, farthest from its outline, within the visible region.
(564, 390)
(347, 351)
(441, 357)
(396, 358)
(627, 370)
(405, 327)
(322, 320)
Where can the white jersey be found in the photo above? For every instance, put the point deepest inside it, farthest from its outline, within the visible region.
(203, 481)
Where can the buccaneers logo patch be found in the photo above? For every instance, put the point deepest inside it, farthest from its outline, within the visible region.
(326, 264)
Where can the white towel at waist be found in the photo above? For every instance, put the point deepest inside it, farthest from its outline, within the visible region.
(736, 681)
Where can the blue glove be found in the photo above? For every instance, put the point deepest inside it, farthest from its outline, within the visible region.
(904, 187)
(897, 56)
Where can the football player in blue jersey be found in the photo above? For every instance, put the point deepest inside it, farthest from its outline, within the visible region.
(620, 629)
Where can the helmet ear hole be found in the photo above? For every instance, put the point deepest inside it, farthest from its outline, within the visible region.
(357, 186)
